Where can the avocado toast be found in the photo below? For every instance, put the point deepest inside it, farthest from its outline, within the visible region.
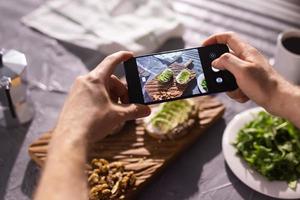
(165, 76)
(172, 119)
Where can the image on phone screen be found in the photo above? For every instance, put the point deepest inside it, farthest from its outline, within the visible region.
(171, 75)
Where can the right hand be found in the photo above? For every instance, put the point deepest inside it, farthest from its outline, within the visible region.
(256, 78)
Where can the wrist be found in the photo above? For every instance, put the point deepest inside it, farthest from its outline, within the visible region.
(69, 138)
(285, 101)
(291, 105)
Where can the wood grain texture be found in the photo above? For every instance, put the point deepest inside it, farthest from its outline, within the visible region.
(138, 151)
(158, 91)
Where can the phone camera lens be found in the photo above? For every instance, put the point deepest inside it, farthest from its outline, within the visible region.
(219, 80)
(212, 55)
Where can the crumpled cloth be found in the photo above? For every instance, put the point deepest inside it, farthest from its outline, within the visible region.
(108, 26)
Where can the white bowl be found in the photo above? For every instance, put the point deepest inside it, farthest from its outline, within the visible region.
(277, 189)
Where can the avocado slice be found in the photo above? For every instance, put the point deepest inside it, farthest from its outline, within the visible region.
(171, 114)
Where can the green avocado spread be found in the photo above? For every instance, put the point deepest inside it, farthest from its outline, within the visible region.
(171, 114)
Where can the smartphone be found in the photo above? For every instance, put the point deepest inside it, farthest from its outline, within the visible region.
(177, 74)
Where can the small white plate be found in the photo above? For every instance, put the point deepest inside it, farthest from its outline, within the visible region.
(277, 189)
(199, 81)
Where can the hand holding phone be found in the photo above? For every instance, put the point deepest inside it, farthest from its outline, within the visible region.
(177, 74)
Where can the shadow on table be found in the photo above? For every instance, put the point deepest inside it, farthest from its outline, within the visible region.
(30, 179)
(92, 58)
(242, 189)
(11, 140)
(180, 179)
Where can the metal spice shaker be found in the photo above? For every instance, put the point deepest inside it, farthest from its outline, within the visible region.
(16, 107)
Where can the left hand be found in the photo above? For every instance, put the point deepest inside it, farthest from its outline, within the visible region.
(92, 106)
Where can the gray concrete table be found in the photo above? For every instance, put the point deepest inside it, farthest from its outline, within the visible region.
(201, 172)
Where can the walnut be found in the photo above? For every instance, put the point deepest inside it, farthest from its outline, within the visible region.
(93, 179)
(108, 180)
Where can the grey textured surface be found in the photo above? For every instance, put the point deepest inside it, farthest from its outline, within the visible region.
(200, 173)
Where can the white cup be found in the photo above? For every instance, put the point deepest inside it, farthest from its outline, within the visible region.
(287, 63)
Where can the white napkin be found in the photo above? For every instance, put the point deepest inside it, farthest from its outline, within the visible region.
(140, 26)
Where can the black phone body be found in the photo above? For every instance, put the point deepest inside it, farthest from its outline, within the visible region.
(144, 75)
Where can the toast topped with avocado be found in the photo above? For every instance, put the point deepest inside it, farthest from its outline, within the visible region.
(172, 119)
(165, 76)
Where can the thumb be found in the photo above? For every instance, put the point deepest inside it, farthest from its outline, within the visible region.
(134, 111)
(229, 62)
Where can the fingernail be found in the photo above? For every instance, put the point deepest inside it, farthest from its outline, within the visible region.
(147, 111)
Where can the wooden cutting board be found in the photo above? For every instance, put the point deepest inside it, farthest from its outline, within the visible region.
(158, 91)
(139, 152)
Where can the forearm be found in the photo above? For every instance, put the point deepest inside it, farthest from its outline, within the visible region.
(90, 111)
(64, 174)
(286, 102)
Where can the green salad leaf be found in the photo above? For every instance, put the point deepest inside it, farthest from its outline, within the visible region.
(204, 85)
(271, 146)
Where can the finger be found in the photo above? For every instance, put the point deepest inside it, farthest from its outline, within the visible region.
(108, 65)
(230, 62)
(123, 80)
(118, 89)
(134, 111)
(229, 38)
(238, 95)
(242, 100)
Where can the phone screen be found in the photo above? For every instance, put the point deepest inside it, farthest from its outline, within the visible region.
(177, 74)
(170, 75)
